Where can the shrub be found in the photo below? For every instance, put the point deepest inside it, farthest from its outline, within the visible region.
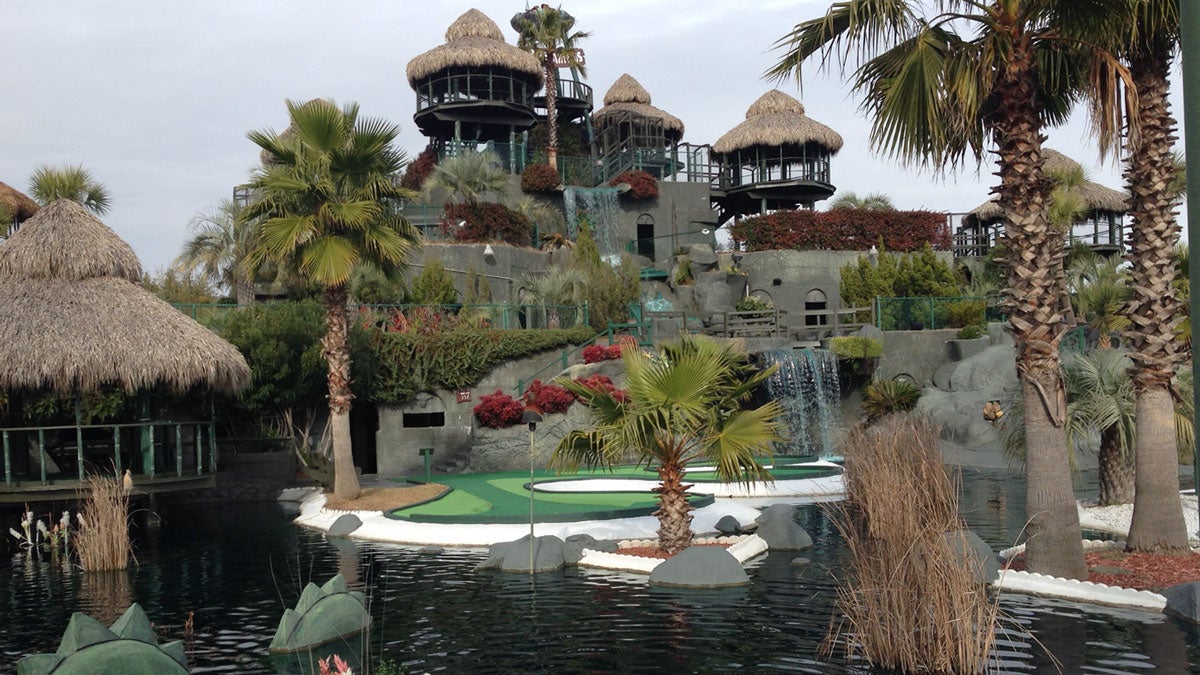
(418, 170)
(856, 347)
(641, 184)
(102, 540)
(596, 353)
(498, 410)
(486, 221)
(540, 178)
(753, 304)
(548, 398)
(604, 383)
(964, 313)
(282, 344)
(842, 230)
(433, 286)
(884, 397)
(971, 332)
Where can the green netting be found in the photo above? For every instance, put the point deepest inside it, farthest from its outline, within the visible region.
(935, 312)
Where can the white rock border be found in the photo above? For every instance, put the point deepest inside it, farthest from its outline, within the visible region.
(1033, 583)
(743, 549)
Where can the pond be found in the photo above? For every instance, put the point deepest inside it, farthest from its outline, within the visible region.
(235, 568)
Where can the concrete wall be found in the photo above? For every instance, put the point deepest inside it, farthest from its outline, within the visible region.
(914, 354)
(679, 212)
(505, 269)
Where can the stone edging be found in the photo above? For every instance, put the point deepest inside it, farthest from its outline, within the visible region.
(744, 548)
(1070, 589)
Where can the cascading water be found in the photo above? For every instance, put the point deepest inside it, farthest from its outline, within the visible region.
(599, 207)
(806, 386)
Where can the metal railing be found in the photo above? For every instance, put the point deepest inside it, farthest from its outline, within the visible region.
(935, 312)
(805, 326)
(474, 84)
(512, 156)
(505, 316)
(759, 169)
(150, 448)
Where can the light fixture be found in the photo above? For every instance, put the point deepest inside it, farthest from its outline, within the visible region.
(705, 231)
(488, 252)
(462, 223)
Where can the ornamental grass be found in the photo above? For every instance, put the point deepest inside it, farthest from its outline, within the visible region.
(910, 604)
(102, 541)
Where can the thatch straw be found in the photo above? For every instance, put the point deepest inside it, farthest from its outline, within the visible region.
(1094, 195)
(102, 541)
(473, 40)
(627, 95)
(775, 120)
(913, 603)
(75, 317)
(16, 204)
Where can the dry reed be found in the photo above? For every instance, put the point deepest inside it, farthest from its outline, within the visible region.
(912, 604)
(102, 541)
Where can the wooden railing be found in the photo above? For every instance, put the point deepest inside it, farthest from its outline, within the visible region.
(804, 326)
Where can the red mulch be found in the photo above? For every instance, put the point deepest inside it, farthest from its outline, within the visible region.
(1146, 571)
(656, 552)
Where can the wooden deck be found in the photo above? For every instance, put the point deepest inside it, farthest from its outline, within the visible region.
(69, 489)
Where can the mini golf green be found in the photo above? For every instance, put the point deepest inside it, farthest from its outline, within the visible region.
(504, 497)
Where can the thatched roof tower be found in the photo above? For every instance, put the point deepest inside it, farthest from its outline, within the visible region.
(473, 40)
(16, 204)
(76, 317)
(1096, 196)
(628, 98)
(777, 120)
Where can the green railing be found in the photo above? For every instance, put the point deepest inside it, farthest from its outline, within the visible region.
(935, 312)
(507, 316)
(474, 84)
(157, 448)
(560, 362)
(512, 155)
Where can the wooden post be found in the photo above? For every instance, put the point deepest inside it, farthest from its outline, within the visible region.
(7, 461)
(42, 452)
(117, 450)
(199, 453)
(178, 449)
(79, 436)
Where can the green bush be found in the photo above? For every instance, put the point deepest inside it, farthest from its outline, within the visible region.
(965, 313)
(971, 332)
(753, 304)
(912, 275)
(856, 347)
(433, 286)
(884, 397)
(609, 291)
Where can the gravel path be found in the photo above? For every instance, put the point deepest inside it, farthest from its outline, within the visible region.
(1116, 519)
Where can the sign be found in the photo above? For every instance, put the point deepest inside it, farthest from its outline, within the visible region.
(464, 396)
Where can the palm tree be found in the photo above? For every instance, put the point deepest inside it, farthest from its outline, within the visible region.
(468, 178)
(75, 183)
(328, 205)
(545, 32)
(220, 247)
(1100, 396)
(939, 88)
(683, 405)
(875, 201)
(1101, 292)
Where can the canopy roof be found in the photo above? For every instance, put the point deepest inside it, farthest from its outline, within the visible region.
(1096, 196)
(16, 204)
(776, 120)
(473, 40)
(76, 316)
(627, 95)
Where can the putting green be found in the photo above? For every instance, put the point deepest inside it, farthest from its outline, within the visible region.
(504, 497)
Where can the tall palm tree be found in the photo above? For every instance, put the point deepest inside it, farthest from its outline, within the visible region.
(75, 183)
(683, 405)
(874, 201)
(1147, 37)
(468, 178)
(220, 247)
(328, 205)
(546, 32)
(942, 86)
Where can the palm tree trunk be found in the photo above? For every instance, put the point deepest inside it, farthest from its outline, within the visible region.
(551, 112)
(243, 290)
(1053, 544)
(674, 513)
(1153, 308)
(1116, 469)
(335, 347)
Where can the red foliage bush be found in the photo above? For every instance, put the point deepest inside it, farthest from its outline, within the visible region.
(418, 170)
(486, 221)
(843, 230)
(539, 178)
(597, 353)
(498, 410)
(548, 398)
(602, 383)
(642, 185)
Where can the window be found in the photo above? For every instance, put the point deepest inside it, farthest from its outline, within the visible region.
(424, 420)
(815, 302)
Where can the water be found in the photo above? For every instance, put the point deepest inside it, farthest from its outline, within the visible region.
(599, 206)
(806, 385)
(238, 566)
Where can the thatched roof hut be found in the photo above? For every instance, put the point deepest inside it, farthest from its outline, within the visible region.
(1096, 196)
(627, 95)
(473, 40)
(15, 204)
(777, 120)
(76, 316)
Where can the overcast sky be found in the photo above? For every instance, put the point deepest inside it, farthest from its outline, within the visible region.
(155, 98)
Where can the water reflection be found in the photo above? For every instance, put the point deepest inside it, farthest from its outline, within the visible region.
(235, 569)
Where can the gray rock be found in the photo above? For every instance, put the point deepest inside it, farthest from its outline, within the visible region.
(974, 551)
(513, 556)
(700, 567)
(777, 512)
(1183, 601)
(431, 550)
(712, 293)
(574, 545)
(344, 526)
(870, 331)
(800, 562)
(961, 350)
(784, 534)
(702, 256)
(729, 525)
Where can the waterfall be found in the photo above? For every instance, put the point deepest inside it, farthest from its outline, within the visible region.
(599, 206)
(806, 386)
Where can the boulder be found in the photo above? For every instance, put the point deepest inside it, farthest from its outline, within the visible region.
(549, 554)
(729, 525)
(702, 256)
(574, 545)
(712, 293)
(344, 526)
(1183, 601)
(778, 527)
(700, 567)
(969, 548)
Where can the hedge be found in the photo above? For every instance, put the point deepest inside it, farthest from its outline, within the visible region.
(843, 230)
